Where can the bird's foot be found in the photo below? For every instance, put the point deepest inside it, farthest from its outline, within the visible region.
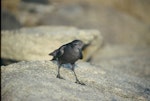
(79, 82)
(60, 77)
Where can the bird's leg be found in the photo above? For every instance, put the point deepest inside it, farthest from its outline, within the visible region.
(77, 80)
(58, 75)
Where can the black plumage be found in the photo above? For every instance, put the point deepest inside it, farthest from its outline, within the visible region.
(68, 53)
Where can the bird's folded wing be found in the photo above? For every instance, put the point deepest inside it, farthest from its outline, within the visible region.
(61, 51)
(58, 52)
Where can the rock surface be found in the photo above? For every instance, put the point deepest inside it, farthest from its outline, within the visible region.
(36, 81)
(120, 21)
(131, 60)
(36, 43)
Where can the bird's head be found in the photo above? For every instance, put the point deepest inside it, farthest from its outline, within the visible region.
(78, 44)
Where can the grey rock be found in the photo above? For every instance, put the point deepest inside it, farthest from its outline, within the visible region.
(37, 42)
(36, 80)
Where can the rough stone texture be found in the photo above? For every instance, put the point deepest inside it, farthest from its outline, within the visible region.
(36, 81)
(36, 43)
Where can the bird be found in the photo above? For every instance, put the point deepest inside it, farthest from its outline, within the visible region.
(68, 54)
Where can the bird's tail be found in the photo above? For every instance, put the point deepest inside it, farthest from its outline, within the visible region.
(53, 54)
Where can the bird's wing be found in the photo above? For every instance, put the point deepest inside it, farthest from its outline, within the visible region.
(61, 51)
(58, 52)
(54, 53)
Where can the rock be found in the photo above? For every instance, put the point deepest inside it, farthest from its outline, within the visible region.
(132, 60)
(116, 27)
(135, 8)
(36, 43)
(115, 23)
(9, 21)
(120, 21)
(36, 81)
(28, 11)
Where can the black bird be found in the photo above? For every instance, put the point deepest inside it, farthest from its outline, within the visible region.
(68, 53)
